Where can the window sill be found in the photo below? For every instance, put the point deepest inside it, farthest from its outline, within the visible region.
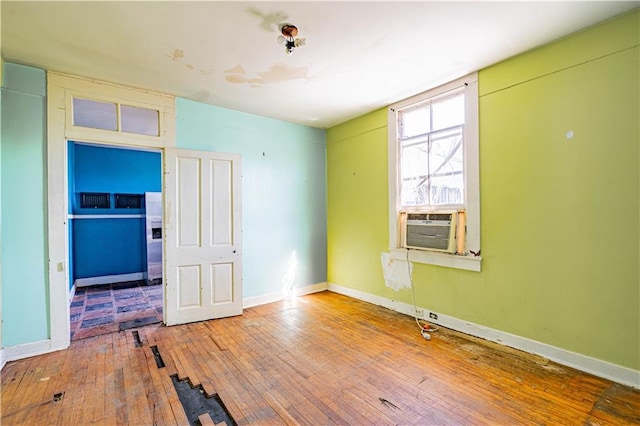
(469, 263)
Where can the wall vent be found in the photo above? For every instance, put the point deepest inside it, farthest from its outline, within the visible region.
(95, 200)
(128, 201)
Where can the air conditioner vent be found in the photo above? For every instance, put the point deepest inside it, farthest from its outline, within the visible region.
(440, 216)
(430, 231)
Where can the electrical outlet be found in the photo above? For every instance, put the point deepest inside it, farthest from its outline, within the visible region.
(433, 315)
(419, 313)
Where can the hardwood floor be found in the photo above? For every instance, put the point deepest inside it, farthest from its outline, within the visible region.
(319, 359)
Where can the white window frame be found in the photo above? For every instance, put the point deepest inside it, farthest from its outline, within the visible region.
(466, 260)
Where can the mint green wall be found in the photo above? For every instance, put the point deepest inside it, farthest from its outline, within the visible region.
(283, 190)
(25, 314)
(560, 218)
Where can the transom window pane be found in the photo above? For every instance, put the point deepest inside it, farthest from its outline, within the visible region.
(138, 120)
(94, 114)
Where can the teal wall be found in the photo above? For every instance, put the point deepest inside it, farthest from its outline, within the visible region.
(25, 311)
(284, 197)
(283, 190)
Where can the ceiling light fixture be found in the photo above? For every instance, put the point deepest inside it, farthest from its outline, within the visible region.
(289, 32)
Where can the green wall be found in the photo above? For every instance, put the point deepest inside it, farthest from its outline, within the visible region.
(283, 191)
(25, 311)
(560, 218)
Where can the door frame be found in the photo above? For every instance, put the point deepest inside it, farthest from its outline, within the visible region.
(61, 89)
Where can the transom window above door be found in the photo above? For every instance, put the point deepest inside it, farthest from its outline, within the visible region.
(114, 116)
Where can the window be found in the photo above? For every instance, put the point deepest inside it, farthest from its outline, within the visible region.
(143, 121)
(433, 167)
(430, 137)
(95, 114)
(116, 117)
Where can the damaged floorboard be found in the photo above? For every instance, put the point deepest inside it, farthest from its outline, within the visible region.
(318, 359)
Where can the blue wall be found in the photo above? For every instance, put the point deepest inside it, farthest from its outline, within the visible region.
(25, 298)
(283, 191)
(109, 246)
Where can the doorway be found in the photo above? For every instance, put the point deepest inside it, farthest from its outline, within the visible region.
(115, 238)
(216, 256)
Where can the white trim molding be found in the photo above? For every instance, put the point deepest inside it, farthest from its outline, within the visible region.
(469, 84)
(72, 292)
(108, 279)
(250, 302)
(470, 263)
(597, 367)
(14, 353)
(61, 89)
(106, 216)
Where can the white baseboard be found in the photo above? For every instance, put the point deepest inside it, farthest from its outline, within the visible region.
(249, 302)
(607, 370)
(3, 361)
(108, 279)
(13, 353)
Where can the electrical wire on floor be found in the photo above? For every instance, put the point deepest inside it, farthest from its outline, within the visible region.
(425, 328)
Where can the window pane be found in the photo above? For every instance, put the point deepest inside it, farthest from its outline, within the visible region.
(446, 183)
(142, 121)
(414, 122)
(449, 112)
(415, 160)
(94, 114)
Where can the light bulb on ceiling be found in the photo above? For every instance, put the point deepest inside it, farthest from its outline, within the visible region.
(289, 32)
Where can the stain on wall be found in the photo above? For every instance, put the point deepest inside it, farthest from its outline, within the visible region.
(201, 96)
(269, 21)
(176, 55)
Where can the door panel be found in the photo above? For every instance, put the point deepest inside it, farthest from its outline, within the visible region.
(188, 194)
(222, 277)
(222, 214)
(203, 273)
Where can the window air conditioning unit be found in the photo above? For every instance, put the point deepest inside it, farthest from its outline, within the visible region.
(442, 231)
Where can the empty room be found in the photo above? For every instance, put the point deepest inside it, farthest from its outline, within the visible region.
(311, 212)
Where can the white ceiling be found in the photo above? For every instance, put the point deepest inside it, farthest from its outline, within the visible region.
(359, 55)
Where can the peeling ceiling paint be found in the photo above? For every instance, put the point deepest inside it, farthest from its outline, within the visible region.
(269, 21)
(360, 56)
(176, 55)
(278, 73)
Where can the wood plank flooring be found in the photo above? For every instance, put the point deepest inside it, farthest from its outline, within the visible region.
(319, 359)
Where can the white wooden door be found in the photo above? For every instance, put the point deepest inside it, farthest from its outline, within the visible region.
(203, 243)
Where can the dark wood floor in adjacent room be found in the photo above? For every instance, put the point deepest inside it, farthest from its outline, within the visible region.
(319, 359)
